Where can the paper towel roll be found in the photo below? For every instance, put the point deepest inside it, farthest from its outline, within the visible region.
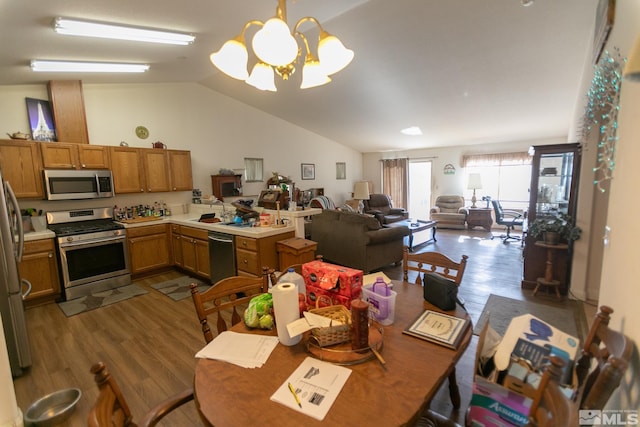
(285, 306)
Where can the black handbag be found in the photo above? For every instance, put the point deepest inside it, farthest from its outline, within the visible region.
(440, 291)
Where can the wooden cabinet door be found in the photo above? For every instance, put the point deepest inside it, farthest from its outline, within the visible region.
(93, 156)
(149, 253)
(180, 168)
(59, 155)
(176, 245)
(189, 255)
(67, 102)
(21, 165)
(156, 166)
(40, 267)
(202, 258)
(127, 168)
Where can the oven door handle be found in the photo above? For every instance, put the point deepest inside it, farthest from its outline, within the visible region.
(91, 242)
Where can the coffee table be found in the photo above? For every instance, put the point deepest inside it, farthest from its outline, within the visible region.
(417, 229)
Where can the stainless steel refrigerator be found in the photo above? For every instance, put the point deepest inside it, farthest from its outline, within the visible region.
(11, 286)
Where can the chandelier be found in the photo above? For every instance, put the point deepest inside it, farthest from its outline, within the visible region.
(278, 51)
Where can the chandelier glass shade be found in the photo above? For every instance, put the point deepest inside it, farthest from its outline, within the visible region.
(278, 51)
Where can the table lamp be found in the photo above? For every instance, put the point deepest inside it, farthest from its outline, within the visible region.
(360, 193)
(474, 183)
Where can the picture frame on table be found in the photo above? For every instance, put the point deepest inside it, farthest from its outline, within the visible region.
(41, 121)
(341, 170)
(308, 171)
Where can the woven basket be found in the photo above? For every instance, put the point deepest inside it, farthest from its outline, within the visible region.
(331, 335)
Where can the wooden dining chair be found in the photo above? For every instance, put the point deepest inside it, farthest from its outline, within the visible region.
(275, 276)
(612, 352)
(432, 262)
(111, 409)
(435, 262)
(550, 406)
(226, 294)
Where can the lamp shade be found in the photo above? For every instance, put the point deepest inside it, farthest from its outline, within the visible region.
(632, 67)
(475, 181)
(262, 77)
(313, 74)
(231, 59)
(332, 53)
(274, 43)
(361, 190)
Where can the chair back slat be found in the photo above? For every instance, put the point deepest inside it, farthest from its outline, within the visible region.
(432, 262)
(226, 294)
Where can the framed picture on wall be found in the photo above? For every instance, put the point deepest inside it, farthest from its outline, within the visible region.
(308, 171)
(41, 120)
(341, 170)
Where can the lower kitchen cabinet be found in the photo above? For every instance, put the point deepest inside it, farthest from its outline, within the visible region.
(253, 254)
(191, 250)
(39, 266)
(149, 248)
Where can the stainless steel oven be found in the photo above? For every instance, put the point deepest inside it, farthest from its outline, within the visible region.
(92, 251)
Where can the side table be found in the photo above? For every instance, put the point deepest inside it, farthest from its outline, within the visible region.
(480, 217)
(548, 279)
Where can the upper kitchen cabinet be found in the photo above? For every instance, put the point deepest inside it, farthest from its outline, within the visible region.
(67, 102)
(180, 167)
(58, 155)
(22, 167)
(139, 170)
(127, 169)
(156, 169)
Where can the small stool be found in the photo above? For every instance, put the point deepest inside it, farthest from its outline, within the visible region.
(548, 279)
(295, 250)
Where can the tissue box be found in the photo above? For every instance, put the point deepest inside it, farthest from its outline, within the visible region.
(343, 281)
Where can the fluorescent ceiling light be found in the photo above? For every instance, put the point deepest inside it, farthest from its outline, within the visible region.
(76, 27)
(87, 67)
(413, 131)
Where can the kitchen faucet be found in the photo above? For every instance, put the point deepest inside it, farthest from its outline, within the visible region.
(225, 214)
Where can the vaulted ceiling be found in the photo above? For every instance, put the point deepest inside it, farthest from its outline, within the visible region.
(464, 71)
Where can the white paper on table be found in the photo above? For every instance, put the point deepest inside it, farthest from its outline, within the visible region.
(246, 350)
(317, 384)
(369, 279)
(310, 321)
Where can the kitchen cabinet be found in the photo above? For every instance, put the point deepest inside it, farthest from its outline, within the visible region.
(180, 167)
(39, 266)
(21, 165)
(149, 248)
(176, 245)
(67, 102)
(554, 188)
(194, 250)
(253, 254)
(139, 170)
(226, 186)
(59, 155)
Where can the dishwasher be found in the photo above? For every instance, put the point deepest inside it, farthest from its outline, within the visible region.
(222, 256)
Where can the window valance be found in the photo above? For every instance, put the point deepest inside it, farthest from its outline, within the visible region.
(498, 159)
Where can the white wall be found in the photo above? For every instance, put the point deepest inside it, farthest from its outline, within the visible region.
(620, 288)
(219, 131)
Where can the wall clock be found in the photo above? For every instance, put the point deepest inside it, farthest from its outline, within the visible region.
(142, 132)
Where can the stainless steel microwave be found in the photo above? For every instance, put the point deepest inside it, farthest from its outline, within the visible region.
(78, 184)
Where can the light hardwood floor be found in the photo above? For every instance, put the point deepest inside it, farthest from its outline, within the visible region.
(148, 342)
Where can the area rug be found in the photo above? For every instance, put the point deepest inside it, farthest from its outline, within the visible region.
(100, 299)
(570, 319)
(179, 288)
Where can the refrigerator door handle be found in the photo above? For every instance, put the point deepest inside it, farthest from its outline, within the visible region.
(26, 283)
(16, 209)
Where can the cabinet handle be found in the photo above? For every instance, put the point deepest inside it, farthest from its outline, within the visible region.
(245, 261)
(50, 255)
(73, 166)
(84, 166)
(244, 243)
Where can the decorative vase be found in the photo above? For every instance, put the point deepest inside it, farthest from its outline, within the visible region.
(551, 237)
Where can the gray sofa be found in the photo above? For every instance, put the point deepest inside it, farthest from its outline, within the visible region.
(357, 241)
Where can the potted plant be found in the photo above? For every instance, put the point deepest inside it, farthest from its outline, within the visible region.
(554, 228)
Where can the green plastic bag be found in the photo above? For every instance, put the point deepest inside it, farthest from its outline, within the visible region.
(259, 313)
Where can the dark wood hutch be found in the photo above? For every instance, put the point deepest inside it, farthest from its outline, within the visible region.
(555, 172)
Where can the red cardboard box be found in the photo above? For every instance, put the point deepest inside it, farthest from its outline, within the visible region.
(338, 283)
(325, 298)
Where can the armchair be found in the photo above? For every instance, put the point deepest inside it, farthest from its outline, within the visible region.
(380, 206)
(450, 212)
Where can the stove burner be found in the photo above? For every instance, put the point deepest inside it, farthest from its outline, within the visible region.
(84, 227)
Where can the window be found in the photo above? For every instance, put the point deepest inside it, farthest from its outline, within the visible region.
(253, 170)
(505, 177)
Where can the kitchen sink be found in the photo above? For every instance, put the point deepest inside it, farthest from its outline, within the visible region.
(235, 224)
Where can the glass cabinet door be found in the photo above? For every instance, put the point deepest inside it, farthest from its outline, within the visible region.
(554, 183)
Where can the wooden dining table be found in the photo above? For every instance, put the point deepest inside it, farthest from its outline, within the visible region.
(393, 395)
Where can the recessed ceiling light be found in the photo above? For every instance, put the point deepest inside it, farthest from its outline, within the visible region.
(76, 27)
(413, 131)
(87, 67)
